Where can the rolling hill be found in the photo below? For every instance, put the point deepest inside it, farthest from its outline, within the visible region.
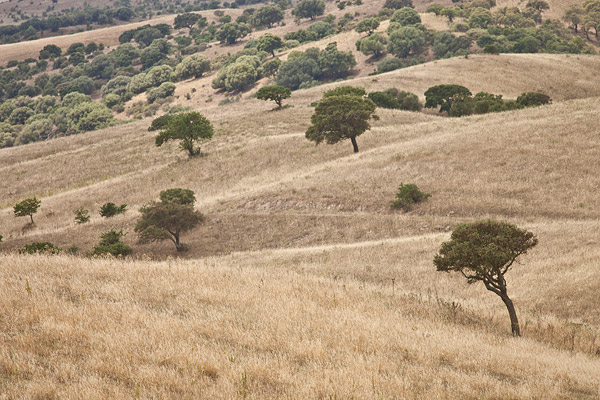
(303, 283)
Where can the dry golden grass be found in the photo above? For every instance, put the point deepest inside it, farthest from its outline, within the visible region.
(318, 323)
(294, 288)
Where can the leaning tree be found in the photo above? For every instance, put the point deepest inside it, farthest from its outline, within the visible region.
(485, 251)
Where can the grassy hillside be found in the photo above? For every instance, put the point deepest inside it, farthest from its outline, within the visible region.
(303, 283)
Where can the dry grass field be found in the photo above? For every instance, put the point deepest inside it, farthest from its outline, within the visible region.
(303, 283)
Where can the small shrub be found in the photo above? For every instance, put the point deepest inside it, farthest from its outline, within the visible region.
(407, 196)
(532, 99)
(110, 209)
(111, 244)
(39, 248)
(82, 216)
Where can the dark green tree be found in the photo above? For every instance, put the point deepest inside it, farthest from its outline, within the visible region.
(340, 117)
(27, 207)
(267, 16)
(231, 32)
(82, 216)
(405, 41)
(368, 24)
(309, 9)
(189, 128)
(397, 4)
(335, 63)
(110, 209)
(406, 16)
(186, 20)
(373, 45)
(167, 219)
(484, 251)
(275, 93)
(269, 43)
(441, 95)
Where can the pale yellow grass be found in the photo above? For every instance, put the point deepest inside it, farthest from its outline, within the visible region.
(314, 323)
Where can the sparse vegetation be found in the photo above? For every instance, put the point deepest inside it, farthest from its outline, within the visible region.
(82, 216)
(110, 209)
(111, 244)
(408, 195)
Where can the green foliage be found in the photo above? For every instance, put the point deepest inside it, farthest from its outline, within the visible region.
(480, 18)
(188, 128)
(193, 66)
(445, 44)
(269, 43)
(345, 91)
(50, 51)
(406, 16)
(19, 115)
(390, 64)
(367, 24)
(334, 63)
(267, 16)
(441, 95)
(408, 195)
(169, 218)
(27, 207)
(165, 90)
(340, 117)
(533, 99)
(89, 117)
(232, 31)
(111, 244)
(110, 209)
(396, 99)
(187, 20)
(298, 70)
(271, 67)
(40, 248)
(405, 41)
(397, 4)
(118, 86)
(373, 45)
(485, 251)
(461, 104)
(239, 75)
(274, 93)
(309, 9)
(82, 216)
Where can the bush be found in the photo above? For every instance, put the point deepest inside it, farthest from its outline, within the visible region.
(39, 248)
(82, 216)
(165, 90)
(533, 99)
(390, 64)
(111, 244)
(110, 209)
(407, 196)
(192, 67)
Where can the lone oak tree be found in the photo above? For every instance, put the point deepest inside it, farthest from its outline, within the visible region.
(168, 218)
(485, 251)
(441, 95)
(189, 128)
(27, 207)
(275, 92)
(340, 117)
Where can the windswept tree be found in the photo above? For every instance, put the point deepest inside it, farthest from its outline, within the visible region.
(168, 218)
(275, 93)
(340, 117)
(574, 16)
(485, 251)
(27, 207)
(189, 128)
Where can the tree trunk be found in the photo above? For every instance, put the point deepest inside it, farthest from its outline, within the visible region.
(514, 322)
(177, 243)
(31, 216)
(354, 144)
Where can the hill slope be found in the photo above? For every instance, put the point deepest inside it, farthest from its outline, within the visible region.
(324, 291)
